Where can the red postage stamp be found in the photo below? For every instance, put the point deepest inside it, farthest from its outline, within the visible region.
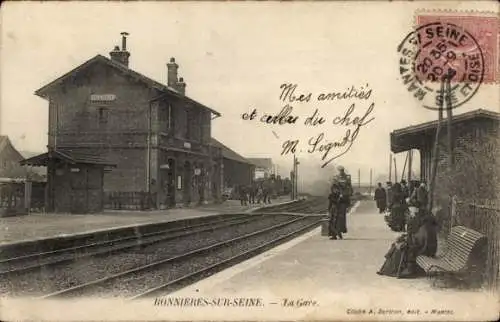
(448, 55)
(484, 29)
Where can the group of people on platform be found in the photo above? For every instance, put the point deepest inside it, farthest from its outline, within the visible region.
(256, 192)
(399, 199)
(339, 201)
(408, 213)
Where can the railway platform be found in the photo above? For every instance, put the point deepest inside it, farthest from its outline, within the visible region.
(42, 225)
(315, 278)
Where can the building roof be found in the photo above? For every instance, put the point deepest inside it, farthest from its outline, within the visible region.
(68, 156)
(29, 154)
(266, 163)
(5, 142)
(228, 153)
(43, 92)
(409, 137)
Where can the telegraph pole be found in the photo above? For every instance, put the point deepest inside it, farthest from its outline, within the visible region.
(294, 178)
(404, 167)
(371, 176)
(395, 171)
(359, 180)
(390, 166)
(296, 171)
(410, 156)
(435, 155)
(449, 116)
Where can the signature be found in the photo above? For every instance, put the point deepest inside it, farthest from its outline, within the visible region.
(327, 148)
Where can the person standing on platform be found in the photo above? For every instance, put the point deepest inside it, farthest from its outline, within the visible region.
(405, 189)
(422, 198)
(344, 182)
(388, 191)
(398, 220)
(265, 190)
(243, 195)
(252, 192)
(334, 224)
(270, 194)
(380, 198)
(259, 192)
(153, 192)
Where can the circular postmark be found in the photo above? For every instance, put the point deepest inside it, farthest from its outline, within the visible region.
(436, 52)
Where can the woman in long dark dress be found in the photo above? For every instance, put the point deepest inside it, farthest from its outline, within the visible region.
(398, 208)
(336, 224)
(421, 239)
(380, 198)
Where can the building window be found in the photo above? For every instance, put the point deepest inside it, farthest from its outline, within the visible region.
(170, 119)
(103, 115)
(189, 124)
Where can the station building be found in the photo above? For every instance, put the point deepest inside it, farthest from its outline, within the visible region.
(237, 170)
(157, 138)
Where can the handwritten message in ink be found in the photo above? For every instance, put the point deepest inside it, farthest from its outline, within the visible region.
(352, 109)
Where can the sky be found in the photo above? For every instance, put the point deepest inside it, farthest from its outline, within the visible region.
(234, 58)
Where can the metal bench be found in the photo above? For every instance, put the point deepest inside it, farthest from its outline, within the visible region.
(464, 259)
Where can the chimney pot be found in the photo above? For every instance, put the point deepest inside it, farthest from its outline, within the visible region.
(172, 68)
(121, 56)
(124, 40)
(181, 86)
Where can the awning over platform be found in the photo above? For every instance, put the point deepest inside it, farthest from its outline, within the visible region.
(68, 156)
(415, 136)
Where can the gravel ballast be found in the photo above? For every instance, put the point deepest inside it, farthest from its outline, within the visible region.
(141, 281)
(58, 277)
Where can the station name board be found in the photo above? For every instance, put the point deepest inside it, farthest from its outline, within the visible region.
(102, 97)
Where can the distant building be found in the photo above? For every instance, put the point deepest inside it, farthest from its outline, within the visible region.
(158, 138)
(9, 160)
(9, 163)
(236, 169)
(263, 167)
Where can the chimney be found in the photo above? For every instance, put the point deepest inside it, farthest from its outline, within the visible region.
(181, 86)
(172, 73)
(121, 55)
(124, 40)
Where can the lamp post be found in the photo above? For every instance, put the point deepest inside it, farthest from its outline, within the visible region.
(296, 177)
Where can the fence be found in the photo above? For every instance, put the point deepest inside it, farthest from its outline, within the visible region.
(13, 199)
(484, 217)
(128, 200)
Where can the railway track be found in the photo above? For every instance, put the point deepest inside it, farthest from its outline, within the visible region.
(311, 205)
(149, 259)
(65, 255)
(169, 274)
(55, 277)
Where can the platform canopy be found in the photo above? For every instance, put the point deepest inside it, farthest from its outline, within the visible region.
(67, 156)
(414, 137)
